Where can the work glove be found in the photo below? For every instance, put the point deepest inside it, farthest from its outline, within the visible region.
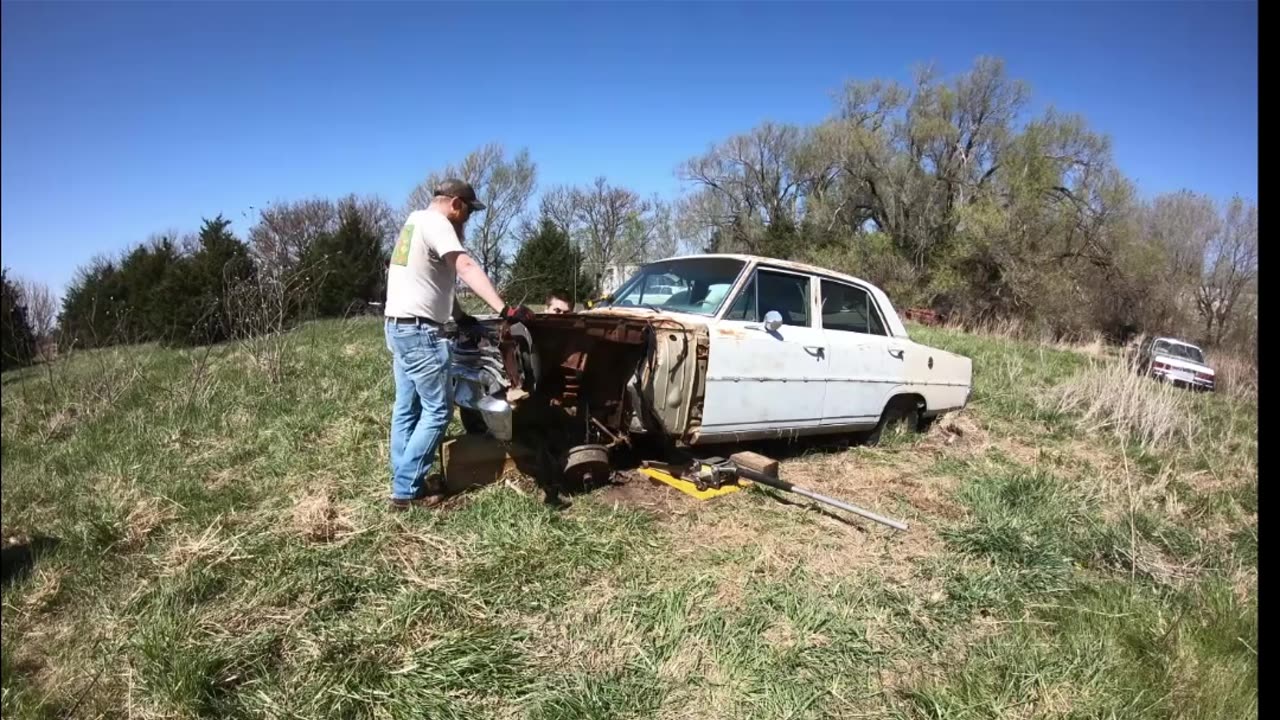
(518, 314)
(465, 321)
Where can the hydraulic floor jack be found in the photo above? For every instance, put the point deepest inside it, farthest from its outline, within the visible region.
(710, 477)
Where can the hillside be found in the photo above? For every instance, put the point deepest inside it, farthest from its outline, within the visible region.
(1083, 543)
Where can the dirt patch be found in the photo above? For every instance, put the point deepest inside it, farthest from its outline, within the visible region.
(638, 491)
(1018, 451)
(770, 533)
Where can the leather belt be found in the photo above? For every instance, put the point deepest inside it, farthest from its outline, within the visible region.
(414, 321)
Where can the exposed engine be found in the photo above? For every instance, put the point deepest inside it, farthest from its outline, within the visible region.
(577, 386)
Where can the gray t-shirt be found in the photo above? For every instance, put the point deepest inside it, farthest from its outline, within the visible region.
(419, 281)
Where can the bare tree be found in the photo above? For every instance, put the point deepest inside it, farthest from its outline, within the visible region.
(285, 229)
(42, 307)
(701, 218)
(1230, 270)
(753, 181)
(503, 184)
(559, 204)
(663, 239)
(610, 226)
(1184, 224)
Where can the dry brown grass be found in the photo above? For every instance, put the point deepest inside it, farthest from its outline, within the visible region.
(59, 424)
(147, 515)
(318, 518)
(209, 548)
(46, 584)
(1236, 375)
(1110, 399)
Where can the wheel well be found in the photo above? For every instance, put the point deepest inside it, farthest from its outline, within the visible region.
(907, 401)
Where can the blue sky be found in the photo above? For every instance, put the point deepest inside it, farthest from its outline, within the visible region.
(124, 119)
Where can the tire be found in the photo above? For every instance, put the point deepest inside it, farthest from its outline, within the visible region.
(472, 421)
(899, 412)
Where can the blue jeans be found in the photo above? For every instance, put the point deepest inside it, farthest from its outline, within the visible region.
(424, 404)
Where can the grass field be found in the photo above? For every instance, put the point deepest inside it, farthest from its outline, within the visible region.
(1083, 544)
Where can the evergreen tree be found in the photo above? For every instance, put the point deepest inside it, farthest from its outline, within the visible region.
(200, 285)
(148, 294)
(93, 306)
(348, 266)
(18, 343)
(546, 262)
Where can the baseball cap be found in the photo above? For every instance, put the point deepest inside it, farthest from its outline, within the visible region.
(460, 189)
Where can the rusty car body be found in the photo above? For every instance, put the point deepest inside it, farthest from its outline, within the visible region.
(744, 348)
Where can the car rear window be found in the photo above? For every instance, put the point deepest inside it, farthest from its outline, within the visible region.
(1178, 350)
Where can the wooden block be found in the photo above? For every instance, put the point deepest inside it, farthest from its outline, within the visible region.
(756, 461)
(474, 460)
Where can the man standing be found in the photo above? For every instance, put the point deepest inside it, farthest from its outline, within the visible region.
(427, 262)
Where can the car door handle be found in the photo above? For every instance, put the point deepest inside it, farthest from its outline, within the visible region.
(815, 350)
(897, 354)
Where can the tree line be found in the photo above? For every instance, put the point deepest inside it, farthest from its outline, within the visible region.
(946, 192)
(949, 195)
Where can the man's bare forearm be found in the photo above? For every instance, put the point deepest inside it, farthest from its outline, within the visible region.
(473, 275)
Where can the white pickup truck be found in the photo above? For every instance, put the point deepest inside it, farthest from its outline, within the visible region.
(707, 349)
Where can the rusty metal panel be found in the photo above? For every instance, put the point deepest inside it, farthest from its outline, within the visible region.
(672, 383)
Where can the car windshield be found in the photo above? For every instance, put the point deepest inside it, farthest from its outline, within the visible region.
(689, 285)
(1178, 350)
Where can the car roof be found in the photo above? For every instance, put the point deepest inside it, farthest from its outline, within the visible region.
(1175, 341)
(784, 264)
(896, 328)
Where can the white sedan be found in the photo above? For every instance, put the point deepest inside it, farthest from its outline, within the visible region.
(708, 349)
(1177, 362)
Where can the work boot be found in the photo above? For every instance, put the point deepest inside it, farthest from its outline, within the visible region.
(432, 495)
(426, 501)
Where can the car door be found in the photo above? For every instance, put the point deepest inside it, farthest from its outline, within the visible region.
(761, 381)
(866, 363)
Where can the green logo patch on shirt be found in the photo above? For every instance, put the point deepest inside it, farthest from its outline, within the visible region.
(401, 254)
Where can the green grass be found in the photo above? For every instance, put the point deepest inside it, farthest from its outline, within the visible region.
(225, 552)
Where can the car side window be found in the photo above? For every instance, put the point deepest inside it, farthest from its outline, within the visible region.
(849, 309)
(786, 294)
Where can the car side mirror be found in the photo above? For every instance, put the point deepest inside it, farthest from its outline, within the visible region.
(772, 321)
